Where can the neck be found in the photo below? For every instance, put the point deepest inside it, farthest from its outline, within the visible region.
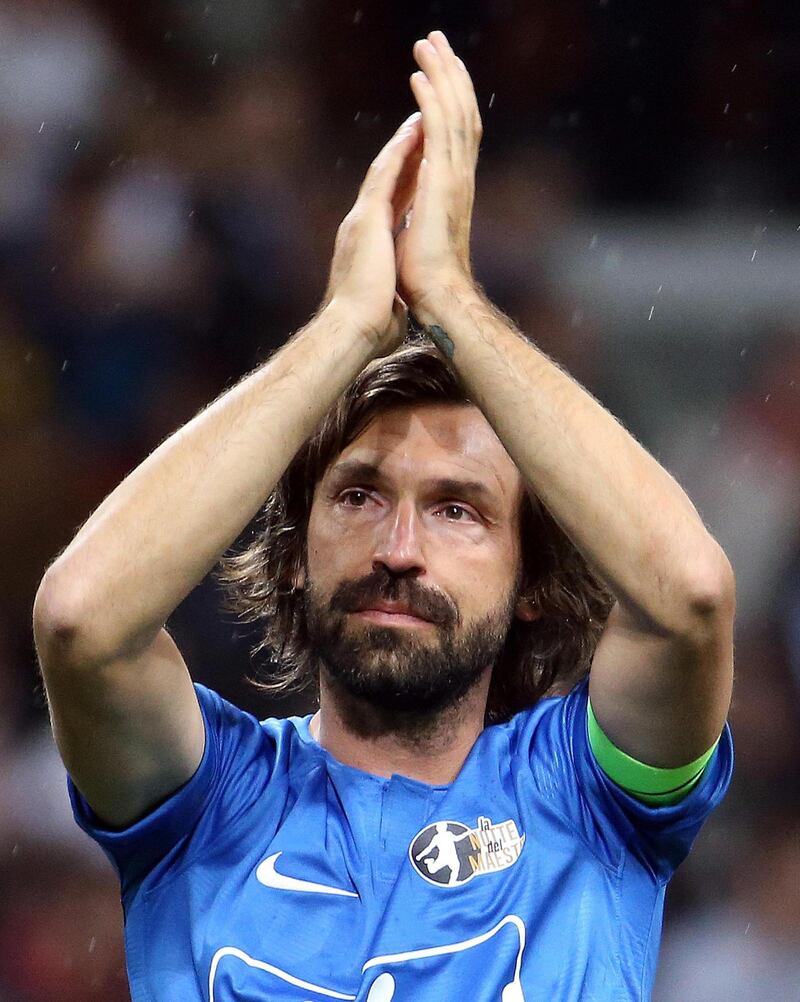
(431, 749)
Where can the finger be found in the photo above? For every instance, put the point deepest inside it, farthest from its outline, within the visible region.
(450, 72)
(460, 80)
(406, 184)
(398, 324)
(432, 65)
(436, 147)
(381, 177)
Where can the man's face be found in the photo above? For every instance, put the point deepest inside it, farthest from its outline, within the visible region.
(413, 558)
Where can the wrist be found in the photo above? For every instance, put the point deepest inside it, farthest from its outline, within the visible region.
(444, 298)
(348, 316)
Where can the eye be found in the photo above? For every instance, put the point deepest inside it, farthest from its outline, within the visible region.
(458, 511)
(357, 498)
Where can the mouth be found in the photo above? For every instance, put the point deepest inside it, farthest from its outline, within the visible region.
(386, 618)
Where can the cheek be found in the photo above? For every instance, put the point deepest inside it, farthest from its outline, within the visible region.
(481, 585)
(476, 586)
(332, 554)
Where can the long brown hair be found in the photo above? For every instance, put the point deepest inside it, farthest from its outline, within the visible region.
(547, 655)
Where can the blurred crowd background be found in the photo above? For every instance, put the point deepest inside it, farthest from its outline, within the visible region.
(172, 176)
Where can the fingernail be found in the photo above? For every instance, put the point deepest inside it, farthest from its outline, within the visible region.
(411, 119)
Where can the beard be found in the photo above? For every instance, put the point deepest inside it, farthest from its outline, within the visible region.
(396, 679)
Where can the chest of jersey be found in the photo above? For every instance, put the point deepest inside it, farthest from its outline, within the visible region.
(376, 890)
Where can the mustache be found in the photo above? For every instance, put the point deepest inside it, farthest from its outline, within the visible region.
(351, 596)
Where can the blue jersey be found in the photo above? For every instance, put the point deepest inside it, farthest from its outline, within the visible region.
(278, 874)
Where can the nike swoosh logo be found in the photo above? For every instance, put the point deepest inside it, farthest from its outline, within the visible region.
(269, 877)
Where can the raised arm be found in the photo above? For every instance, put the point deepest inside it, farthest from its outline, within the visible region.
(661, 678)
(124, 713)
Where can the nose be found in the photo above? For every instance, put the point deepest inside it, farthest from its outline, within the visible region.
(398, 544)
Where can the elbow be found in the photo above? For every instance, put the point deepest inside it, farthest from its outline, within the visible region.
(711, 591)
(695, 602)
(72, 631)
(57, 629)
(54, 609)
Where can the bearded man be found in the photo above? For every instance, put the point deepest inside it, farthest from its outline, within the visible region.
(518, 626)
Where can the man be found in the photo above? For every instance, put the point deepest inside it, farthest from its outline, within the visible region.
(434, 521)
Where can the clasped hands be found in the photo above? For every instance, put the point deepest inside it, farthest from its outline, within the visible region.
(406, 241)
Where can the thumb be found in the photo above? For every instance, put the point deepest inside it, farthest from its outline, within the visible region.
(384, 171)
(398, 324)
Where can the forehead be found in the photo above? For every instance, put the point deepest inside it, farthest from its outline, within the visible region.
(424, 440)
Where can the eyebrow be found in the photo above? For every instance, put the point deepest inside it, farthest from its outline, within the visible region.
(356, 469)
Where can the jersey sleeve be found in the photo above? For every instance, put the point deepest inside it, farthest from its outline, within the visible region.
(611, 821)
(236, 766)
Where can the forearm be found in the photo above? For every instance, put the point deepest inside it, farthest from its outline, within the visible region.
(631, 520)
(166, 525)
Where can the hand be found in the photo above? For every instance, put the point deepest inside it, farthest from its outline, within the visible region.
(363, 269)
(433, 250)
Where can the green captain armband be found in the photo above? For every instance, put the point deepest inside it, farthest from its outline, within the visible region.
(647, 783)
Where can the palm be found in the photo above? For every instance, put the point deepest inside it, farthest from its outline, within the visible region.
(431, 246)
(433, 250)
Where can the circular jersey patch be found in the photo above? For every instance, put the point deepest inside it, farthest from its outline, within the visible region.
(448, 853)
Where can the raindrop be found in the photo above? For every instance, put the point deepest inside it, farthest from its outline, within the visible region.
(743, 352)
(77, 144)
(658, 290)
(733, 68)
(214, 59)
(491, 99)
(357, 16)
(15, 850)
(64, 365)
(29, 356)
(92, 943)
(767, 398)
(356, 116)
(40, 128)
(754, 255)
(593, 241)
(635, 104)
(652, 308)
(726, 108)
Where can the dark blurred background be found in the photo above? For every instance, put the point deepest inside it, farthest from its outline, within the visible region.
(171, 180)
